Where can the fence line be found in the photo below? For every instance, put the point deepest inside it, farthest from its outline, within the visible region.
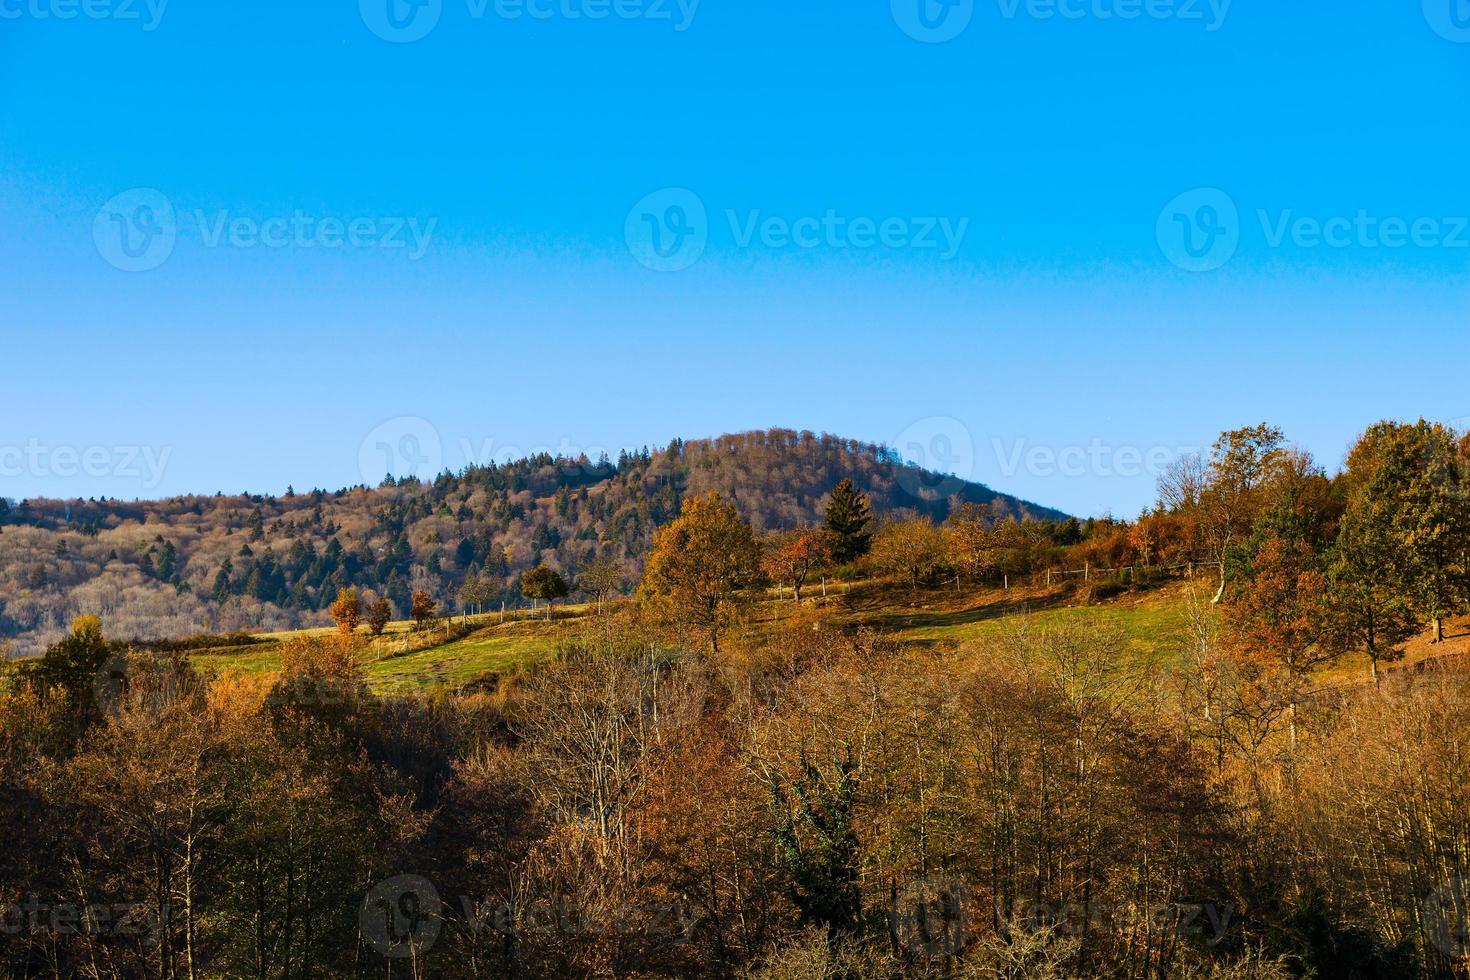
(1087, 571)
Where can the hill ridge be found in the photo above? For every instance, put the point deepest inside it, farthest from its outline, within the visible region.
(194, 563)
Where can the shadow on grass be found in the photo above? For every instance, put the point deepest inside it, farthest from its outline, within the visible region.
(919, 619)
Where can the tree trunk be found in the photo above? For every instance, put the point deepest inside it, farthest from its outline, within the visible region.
(1438, 630)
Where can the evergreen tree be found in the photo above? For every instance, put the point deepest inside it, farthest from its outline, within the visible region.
(167, 562)
(848, 517)
(817, 844)
(221, 590)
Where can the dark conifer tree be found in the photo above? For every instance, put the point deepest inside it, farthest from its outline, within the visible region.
(848, 516)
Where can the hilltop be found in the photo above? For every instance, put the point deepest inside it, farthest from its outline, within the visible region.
(221, 563)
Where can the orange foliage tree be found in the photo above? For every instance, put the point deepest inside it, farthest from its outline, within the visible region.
(347, 610)
(700, 562)
(793, 557)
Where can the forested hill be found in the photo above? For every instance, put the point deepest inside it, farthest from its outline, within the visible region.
(216, 563)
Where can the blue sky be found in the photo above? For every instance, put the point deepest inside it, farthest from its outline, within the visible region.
(343, 240)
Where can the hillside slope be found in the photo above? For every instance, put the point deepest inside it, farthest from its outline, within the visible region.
(221, 563)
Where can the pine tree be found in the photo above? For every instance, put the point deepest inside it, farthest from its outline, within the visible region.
(848, 516)
(817, 844)
(168, 561)
(221, 590)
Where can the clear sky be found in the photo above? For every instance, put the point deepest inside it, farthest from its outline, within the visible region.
(285, 242)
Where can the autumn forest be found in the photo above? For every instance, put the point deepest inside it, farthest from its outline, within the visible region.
(776, 706)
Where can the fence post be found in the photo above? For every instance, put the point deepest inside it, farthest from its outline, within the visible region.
(1087, 572)
(1008, 582)
(1048, 578)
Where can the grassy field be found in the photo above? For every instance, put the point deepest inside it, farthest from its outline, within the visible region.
(1152, 625)
(400, 662)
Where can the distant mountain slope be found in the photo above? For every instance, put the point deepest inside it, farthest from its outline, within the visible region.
(189, 564)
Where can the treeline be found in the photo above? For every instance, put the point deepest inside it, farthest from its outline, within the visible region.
(1308, 563)
(227, 563)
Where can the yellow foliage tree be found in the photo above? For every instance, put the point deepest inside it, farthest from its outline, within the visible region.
(699, 563)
